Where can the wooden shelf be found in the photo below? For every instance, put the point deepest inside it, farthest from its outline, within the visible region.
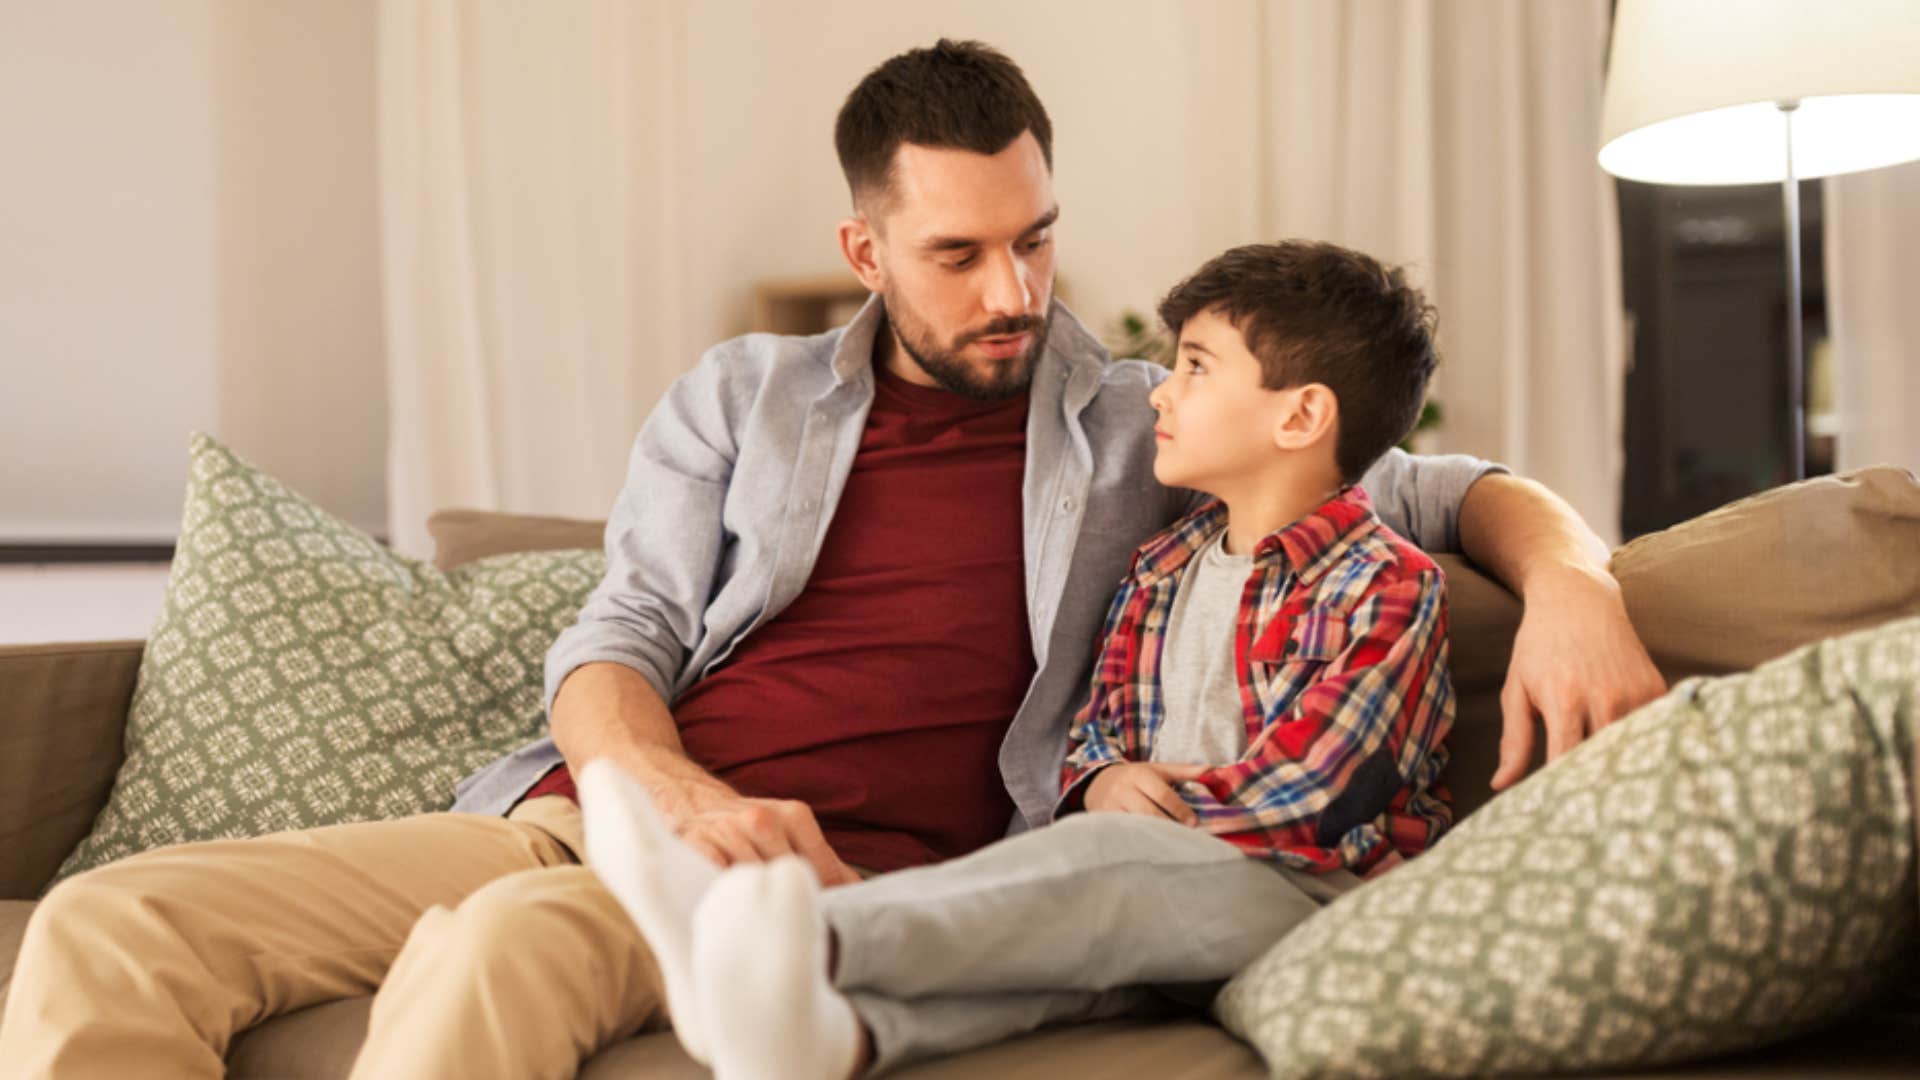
(806, 305)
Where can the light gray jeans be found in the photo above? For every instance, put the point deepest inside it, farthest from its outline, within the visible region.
(1076, 921)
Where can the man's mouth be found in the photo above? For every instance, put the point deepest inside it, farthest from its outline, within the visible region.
(1005, 346)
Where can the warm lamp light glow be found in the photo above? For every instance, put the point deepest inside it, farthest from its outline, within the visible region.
(1694, 89)
(1749, 91)
(1746, 144)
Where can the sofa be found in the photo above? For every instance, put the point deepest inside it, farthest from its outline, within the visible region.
(1718, 594)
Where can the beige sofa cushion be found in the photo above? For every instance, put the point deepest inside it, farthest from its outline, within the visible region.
(319, 1043)
(462, 536)
(1757, 578)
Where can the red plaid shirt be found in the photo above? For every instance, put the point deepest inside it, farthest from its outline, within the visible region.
(1342, 658)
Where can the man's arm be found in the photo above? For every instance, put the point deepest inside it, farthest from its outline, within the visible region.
(611, 674)
(608, 710)
(1577, 662)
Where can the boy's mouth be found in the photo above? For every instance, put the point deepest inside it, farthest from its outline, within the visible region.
(1161, 436)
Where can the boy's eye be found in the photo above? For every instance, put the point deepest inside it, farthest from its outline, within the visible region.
(1195, 367)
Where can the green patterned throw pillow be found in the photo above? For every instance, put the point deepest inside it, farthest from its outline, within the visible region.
(1730, 866)
(301, 674)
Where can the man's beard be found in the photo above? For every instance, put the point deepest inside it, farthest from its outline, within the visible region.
(1001, 380)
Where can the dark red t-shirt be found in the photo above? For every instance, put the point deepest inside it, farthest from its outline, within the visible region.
(879, 697)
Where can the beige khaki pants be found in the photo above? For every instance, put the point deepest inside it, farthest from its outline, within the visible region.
(489, 949)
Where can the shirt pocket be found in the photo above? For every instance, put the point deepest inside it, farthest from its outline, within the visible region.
(1292, 654)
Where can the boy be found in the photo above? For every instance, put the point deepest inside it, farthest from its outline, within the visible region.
(1265, 724)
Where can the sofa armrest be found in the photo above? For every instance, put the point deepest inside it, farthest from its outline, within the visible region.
(63, 717)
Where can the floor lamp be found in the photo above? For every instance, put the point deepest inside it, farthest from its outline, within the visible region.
(1763, 91)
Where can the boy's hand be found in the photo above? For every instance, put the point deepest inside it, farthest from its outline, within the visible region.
(1143, 787)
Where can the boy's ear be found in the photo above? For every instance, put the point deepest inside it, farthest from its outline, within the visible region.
(1310, 414)
(858, 245)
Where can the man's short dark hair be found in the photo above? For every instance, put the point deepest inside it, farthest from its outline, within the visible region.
(1319, 313)
(960, 95)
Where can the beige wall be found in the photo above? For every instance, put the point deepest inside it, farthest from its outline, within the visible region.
(109, 306)
(192, 231)
(302, 366)
(187, 240)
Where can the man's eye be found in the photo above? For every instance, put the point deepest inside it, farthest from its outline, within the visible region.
(1037, 242)
(960, 264)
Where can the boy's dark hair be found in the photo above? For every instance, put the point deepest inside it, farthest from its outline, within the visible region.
(1319, 313)
(962, 95)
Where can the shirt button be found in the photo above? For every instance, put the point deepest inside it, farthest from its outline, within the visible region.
(1066, 504)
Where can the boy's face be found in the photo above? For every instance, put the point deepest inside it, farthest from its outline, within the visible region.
(1216, 424)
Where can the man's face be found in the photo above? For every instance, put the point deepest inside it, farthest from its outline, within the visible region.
(964, 252)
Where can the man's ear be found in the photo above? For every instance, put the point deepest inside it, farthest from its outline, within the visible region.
(1311, 414)
(858, 244)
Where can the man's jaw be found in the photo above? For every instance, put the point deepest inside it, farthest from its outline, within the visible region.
(967, 372)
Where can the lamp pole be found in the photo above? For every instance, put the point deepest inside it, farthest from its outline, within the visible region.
(1796, 364)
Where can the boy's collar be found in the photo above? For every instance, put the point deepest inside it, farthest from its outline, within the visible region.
(1309, 546)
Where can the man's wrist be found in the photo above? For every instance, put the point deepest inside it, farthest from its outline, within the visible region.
(1563, 579)
(678, 787)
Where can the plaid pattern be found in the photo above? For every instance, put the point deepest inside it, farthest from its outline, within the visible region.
(1342, 654)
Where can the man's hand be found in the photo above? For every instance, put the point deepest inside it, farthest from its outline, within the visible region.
(745, 830)
(1143, 787)
(1577, 664)
(607, 710)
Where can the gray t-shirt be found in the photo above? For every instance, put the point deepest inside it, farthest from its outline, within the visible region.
(1205, 723)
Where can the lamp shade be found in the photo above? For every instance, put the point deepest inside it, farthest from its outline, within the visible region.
(1693, 88)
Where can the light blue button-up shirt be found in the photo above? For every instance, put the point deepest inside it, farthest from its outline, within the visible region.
(733, 481)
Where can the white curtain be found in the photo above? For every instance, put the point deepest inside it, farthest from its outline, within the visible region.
(529, 217)
(1872, 219)
(1460, 138)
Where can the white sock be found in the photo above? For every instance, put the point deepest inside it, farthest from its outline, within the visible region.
(760, 966)
(658, 880)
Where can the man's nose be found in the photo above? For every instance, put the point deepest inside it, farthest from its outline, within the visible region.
(1007, 293)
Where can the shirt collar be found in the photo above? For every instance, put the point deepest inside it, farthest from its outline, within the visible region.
(1309, 547)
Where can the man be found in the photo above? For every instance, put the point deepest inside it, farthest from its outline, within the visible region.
(952, 483)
